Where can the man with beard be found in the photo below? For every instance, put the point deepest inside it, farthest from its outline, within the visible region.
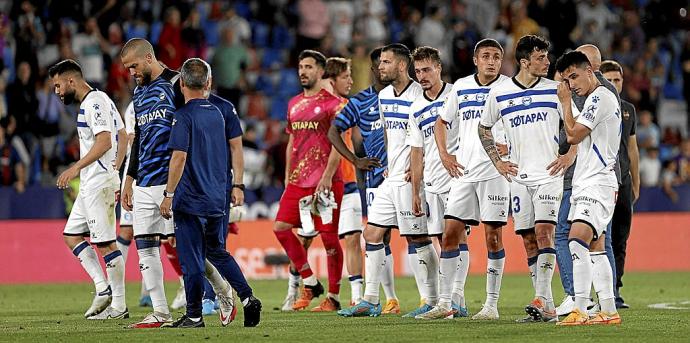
(155, 101)
(93, 213)
(312, 176)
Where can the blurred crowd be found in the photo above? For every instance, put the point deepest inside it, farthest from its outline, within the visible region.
(252, 47)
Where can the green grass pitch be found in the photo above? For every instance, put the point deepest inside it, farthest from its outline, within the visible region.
(53, 313)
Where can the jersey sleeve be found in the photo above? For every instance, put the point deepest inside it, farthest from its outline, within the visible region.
(233, 129)
(491, 112)
(633, 120)
(414, 137)
(499, 133)
(450, 107)
(348, 117)
(119, 123)
(129, 119)
(97, 116)
(594, 111)
(180, 133)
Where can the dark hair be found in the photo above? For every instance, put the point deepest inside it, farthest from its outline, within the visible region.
(375, 55)
(426, 53)
(572, 58)
(65, 66)
(487, 43)
(400, 51)
(195, 73)
(317, 56)
(335, 66)
(528, 44)
(610, 65)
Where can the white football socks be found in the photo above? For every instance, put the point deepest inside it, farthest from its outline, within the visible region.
(582, 273)
(152, 273)
(219, 285)
(413, 261)
(546, 263)
(494, 275)
(89, 261)
(293, 282)
(603, 281)
(448, 268)
(374, 264)
(388, 276)
(461, 276)
(115, 268)
(356, 283)
(428, 267)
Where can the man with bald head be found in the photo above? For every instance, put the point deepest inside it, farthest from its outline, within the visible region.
(563, 257)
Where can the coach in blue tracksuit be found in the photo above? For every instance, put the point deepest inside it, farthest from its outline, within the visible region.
(196, 192)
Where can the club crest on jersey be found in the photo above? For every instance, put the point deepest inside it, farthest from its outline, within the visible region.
(481, 97)
(395, 108)
(161, 96)
(526, 100)
(317, 110)
(434, 111)
(96, 107)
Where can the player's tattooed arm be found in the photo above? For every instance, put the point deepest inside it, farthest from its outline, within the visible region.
(487, 139)
(504, 168)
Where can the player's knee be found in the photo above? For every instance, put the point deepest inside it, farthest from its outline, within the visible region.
(353, 241)
(373, 234)
(281, 226)
(126, 232)
(72, 241)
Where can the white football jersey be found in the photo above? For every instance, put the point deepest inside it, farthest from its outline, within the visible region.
(462, 110)
(97, 113)
(395, 112)
(531, 118)
(421, 135)
(597, 153)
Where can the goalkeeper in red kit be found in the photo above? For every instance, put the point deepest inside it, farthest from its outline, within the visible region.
(313, 181)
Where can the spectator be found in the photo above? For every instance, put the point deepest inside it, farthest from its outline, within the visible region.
(373, 19)
(685, 68)
(12, 169)
(648, 133)
(29, 35)
(170, 50)
(521, 24)
(432, 32)
(313, 25)
(342, 16)
(670, 179)
(684, 161)
(465, 36)
(229, 60)
(89, 47)
(238, 25)
(193, 36)
(22, 104)
(650, 167)
(595, 14)
(3, 98)
(49, 110)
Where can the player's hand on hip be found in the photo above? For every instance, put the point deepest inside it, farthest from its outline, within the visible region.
(324, 185)
(452, 166)
(507, 169)
(417, 206)
(564, 93)
(560, 165)
(126, 197)
(67, 176)
(502, 149)
(367, 163)
(237, 197)
(166, 208)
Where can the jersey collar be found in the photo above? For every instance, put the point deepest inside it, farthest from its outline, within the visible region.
(517, 83)
(443, 88)
(476, 79)
(404, 89)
